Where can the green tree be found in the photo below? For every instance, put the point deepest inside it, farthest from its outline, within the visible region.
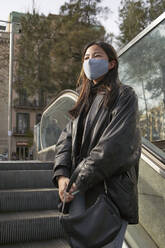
(136, 15)
(132, 20)
(49, 48)
(4, 65)
(34, 63)
(76, 26)
(155, 8)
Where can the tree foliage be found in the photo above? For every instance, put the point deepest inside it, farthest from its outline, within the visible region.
(77, 25)
(155, 8)
(136, 15)
(49, 48)
(133, 20)
(4, 65)
(34, 63)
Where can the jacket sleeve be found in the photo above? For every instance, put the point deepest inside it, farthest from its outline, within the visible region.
(118, 148)
(62, 166)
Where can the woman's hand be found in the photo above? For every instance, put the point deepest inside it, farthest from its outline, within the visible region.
(62, 185)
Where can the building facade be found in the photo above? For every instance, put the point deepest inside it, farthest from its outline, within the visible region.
(4, 78)
(26, 111)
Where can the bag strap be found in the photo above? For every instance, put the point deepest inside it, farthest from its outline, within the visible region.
(71, 181)
(63, 205)
(105, 187)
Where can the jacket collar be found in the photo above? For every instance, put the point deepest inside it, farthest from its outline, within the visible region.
(90, 120)
(91, 116)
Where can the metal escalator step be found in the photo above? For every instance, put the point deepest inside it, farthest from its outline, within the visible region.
(58, 243)
(28, 199)
(30, 226)
(26, 179)
(26, 165)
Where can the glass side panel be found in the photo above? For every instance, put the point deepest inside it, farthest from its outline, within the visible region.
(36, 141)
(54, 121)
(143, 67)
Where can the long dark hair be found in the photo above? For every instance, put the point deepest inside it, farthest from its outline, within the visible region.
(110, 83)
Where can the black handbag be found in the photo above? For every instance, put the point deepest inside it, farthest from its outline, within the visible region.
(98, 226)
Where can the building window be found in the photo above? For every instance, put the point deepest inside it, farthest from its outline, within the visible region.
(22, 152)
(23, 121)
(23, 97)
(41, 98)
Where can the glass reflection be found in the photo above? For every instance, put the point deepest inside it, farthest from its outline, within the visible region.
(54, 121)
(143, 67)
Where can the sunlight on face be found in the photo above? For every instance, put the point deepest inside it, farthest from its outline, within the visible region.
(95, 52)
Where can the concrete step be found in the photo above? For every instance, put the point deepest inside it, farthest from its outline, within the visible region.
(22, 227)
(26, 179)
(57, 243)
(28, 199)
(26, 165)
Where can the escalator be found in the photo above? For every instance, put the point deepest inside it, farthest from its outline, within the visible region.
(142, 66)
(151, 229)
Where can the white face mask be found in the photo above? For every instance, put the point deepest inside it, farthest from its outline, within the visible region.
(95, 68)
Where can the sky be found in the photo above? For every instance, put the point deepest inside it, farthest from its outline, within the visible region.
(53, 6)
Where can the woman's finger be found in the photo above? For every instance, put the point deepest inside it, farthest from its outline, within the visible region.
(73, 188)
(67, 198)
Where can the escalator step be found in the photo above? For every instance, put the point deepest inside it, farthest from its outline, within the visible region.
(28, 199)
(21, 227)
(26, 179)
(58, 243)
(25, 165)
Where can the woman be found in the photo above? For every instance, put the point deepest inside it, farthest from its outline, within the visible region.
(102, 140)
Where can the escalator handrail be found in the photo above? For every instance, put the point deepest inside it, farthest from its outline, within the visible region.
(154, 150)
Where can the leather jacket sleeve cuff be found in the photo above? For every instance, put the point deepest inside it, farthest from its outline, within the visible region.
(60, 172)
